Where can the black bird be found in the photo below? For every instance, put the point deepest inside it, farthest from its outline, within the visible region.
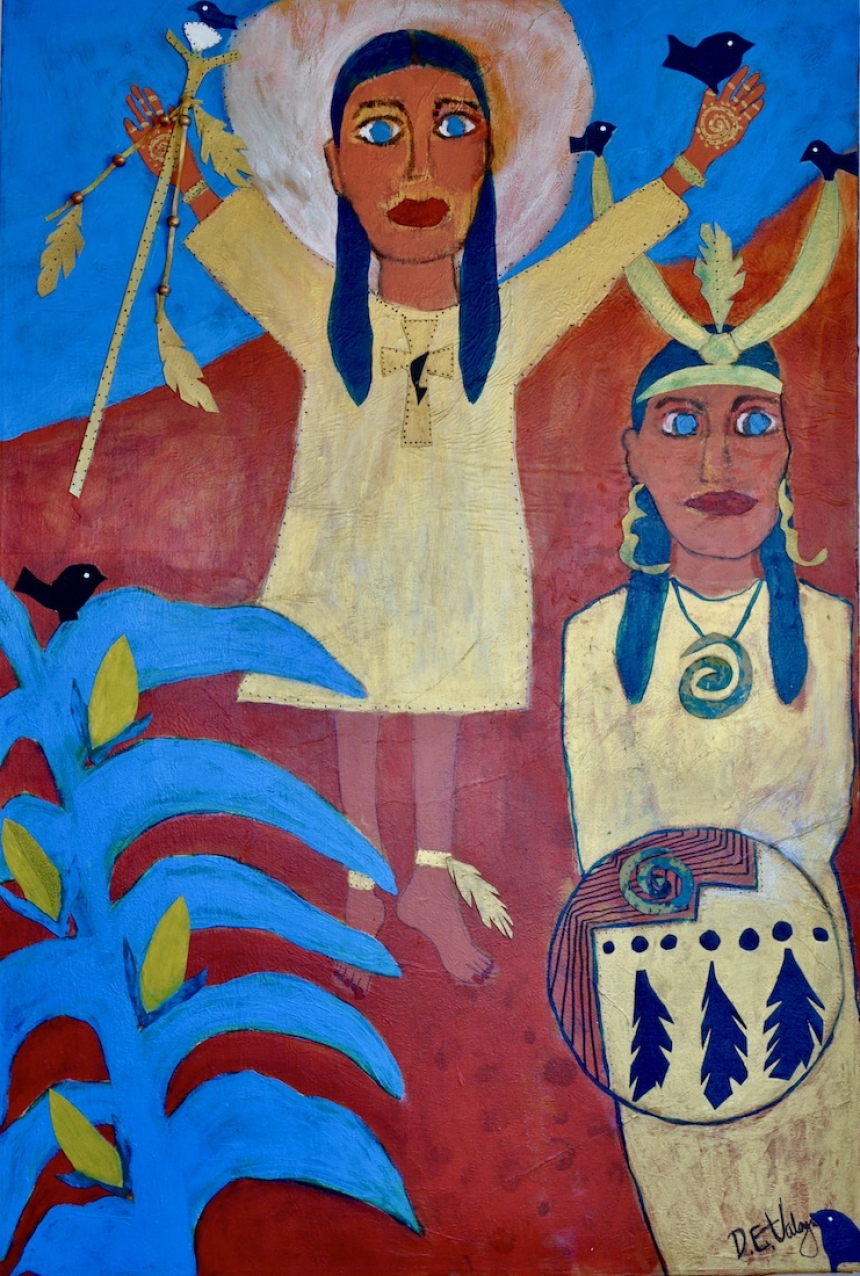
(839, 1236)
(594, 139)
(207, 33)
(711, 60)
(827, 161)
(73, 587)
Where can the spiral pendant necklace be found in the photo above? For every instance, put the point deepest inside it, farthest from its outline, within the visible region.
(717, 681)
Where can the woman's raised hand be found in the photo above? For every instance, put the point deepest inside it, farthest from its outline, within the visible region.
(724, 118)
(152, 128)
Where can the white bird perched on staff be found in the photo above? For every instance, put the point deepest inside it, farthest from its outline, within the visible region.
(209, 31)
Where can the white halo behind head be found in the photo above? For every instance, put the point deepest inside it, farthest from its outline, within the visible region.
(537, 80)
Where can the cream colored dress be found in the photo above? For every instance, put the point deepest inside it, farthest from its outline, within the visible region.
(782, 774)
(403, 547)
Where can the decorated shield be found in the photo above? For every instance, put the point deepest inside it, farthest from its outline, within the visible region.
(696, 974)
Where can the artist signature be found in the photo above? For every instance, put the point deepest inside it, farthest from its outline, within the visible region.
(762, 1237)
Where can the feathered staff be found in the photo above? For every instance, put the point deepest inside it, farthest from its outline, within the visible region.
(225, 151)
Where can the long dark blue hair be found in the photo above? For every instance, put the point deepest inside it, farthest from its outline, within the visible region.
(636, 640)
(349, 332)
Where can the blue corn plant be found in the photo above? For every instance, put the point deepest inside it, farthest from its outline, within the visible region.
(120, 966)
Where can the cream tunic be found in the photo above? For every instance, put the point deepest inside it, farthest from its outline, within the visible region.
(410, 562)
(781, 773)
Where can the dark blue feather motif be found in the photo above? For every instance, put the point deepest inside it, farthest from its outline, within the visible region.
(725, 1043)
(796, 1023)
(652, 1044)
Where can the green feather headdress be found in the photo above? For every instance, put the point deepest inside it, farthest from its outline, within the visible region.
(721, 275)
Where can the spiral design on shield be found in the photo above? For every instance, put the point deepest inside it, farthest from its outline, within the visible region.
(717, 680)
(718, 126)
(656, 882)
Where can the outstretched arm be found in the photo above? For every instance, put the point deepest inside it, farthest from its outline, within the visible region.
(241, 240)
(543, 302)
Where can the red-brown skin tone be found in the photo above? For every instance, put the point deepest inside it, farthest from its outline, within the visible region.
(714, 551)
(418, 164)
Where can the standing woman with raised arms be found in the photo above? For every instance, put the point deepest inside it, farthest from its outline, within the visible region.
(403, 547)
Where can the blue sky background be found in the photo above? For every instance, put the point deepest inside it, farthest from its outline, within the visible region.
(66, 69)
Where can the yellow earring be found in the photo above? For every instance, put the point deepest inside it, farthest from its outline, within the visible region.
(786, 515)
(627, 551)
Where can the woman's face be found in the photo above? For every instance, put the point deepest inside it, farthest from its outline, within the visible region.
(712, 457)
(413, 152)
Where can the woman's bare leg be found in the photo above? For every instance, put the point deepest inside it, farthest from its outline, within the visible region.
(357, 744)
(430, 902)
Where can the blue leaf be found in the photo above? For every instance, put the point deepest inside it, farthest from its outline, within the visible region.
(42, 982)
(248, 1126)
(222, 892)
(24, 908)
(29, 1143)
(105, 1236)
(270, 1003)
(15, 723)
(80, 716)
(131, 732)
(159, 779)
(172, 641)
(17, 638)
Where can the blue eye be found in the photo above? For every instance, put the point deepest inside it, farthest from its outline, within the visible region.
(682, 424)
(755, 423)
(455, 126)
(379, 132)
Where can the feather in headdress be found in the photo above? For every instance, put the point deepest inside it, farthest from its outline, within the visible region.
(719, 271)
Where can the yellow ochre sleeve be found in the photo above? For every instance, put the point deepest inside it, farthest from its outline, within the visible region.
(257, 260)
(540, 304)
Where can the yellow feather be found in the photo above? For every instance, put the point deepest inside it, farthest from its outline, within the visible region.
(485, 897)
(182, 372)
(720, 272)
(62, 248)
(224, 150)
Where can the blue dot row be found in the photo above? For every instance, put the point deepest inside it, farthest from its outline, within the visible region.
(749, 939)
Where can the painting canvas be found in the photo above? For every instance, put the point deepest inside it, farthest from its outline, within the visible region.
(428, 548)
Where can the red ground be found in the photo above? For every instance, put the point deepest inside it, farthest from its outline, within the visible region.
(509, 1153)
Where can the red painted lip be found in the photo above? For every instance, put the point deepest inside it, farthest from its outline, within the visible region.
(722, 503)
(418, 212)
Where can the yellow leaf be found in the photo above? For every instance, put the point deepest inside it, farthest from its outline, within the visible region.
(225, 151)
(166, 960)
(181, 370)
(89, 1152)
(63, 245)
(113, 704)
(33, 871)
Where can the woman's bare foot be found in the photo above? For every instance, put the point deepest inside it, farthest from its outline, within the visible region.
(364, 911)
(430, 904)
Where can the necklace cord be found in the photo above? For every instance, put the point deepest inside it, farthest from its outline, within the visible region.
(744, 618)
